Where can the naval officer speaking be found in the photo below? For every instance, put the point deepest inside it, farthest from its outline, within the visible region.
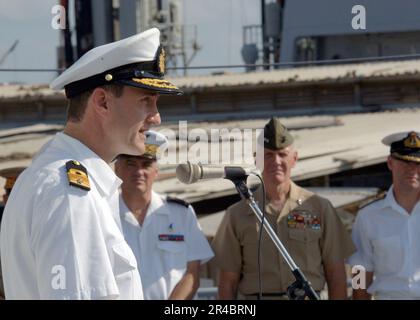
(60, 236)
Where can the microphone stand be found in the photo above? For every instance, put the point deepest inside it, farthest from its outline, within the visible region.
(299, 289)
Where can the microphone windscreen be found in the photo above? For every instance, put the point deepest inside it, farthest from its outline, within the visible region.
(188, 173)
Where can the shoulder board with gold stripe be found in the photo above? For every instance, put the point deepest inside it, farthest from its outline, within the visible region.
(177, 200)
(77, 175)
(378, 197)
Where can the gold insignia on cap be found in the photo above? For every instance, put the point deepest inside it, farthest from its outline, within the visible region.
(77, 175)
(151, 149)
(153, 144)
(161, 61)
(108, 77)
(412, 141)
(406, 157)
(155, 83)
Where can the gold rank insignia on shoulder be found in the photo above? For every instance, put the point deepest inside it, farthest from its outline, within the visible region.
(77, 175)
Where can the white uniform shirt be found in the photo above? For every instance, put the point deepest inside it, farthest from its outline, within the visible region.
(162, 262)
(387, 239)
(60, 241)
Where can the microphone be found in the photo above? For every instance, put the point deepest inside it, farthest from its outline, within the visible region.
(189, 173)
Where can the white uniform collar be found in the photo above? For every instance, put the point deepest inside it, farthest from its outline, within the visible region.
(156, 203)
(126, 213)
(97, 168)
(391, 202)
(156, 206)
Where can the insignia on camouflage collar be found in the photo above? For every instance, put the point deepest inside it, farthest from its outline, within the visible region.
(77, 175)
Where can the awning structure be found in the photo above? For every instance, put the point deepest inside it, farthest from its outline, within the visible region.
(338, 73)
(354, 143)
(326, 145)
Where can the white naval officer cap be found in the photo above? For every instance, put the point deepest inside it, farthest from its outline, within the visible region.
(404, 145)
(137, 61)
(154, 145)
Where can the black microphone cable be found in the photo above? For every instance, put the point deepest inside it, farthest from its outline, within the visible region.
(260, 237)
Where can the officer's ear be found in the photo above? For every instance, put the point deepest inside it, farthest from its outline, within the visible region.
(117, 165)
(156, 166)
(389, 163)
(295, 155)
(100, 99)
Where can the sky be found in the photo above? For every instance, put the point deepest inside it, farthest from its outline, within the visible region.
(219, 26)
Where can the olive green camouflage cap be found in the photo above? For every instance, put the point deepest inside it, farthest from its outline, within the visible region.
(276, 135)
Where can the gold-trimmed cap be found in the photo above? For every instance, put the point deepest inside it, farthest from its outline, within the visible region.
(404, 145)
(154, 145)
(137, 61)
(155, 142)
(149, 75)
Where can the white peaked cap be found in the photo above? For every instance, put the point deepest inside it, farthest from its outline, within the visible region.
(137, 61)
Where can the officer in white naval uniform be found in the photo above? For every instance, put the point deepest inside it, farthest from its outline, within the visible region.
(386, 231)
(163, 232)
(60, 235)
